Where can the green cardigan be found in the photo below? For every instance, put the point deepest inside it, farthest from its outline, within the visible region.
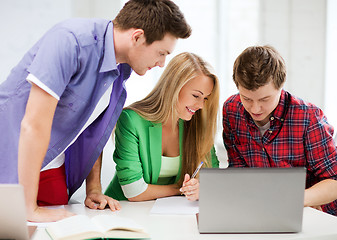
(138, 152)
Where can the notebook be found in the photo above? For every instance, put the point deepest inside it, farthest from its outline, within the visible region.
(251, 200)
(13, 222)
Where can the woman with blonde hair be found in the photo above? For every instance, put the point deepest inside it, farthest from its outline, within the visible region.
(160, 140)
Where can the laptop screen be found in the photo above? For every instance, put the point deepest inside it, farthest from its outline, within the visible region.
(13, 222)
(248, 200)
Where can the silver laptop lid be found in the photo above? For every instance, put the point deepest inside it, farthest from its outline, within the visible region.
(13, 222)
(248, 200)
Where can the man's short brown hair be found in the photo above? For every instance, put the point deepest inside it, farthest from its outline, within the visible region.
(256, 66)
(155, 17)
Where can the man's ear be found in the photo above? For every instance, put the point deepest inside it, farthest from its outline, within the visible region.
(138, 36)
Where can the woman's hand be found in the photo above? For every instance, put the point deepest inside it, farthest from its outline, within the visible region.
(190, 188)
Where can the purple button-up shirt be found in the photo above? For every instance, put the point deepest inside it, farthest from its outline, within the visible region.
(76, 60)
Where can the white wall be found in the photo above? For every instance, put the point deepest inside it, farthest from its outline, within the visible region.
(331, 63)
(305, 33)
(22, 23)
(297, 28)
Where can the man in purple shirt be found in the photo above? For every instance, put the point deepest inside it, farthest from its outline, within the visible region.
(55, 119)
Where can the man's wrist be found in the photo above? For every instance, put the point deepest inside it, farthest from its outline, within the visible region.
(97, 189)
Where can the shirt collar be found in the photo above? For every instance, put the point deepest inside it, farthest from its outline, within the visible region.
(109, 58)
(279, 112)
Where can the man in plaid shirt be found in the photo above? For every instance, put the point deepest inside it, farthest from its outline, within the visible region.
(266, 126)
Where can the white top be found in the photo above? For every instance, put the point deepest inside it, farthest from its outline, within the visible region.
(169, 168)
(100, 107)
(264, 128)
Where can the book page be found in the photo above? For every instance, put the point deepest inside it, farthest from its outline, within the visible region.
(109, 222)
(122, 234)
(175, 206)
(78, 225)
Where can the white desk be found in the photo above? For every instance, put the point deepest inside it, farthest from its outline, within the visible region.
(316, 225)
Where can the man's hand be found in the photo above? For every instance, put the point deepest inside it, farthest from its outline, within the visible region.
(97, 200)
(317, 207)
(43, 214)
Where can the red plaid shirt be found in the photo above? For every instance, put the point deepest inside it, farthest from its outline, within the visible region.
(299, 136)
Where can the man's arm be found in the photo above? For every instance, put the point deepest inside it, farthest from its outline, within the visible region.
(33, 144)
(95, 198)
(321, 193)
(321, 155)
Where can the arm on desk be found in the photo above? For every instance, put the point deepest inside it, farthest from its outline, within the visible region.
(95, 199)
(156, 191)
(33, 144)
(321, 193)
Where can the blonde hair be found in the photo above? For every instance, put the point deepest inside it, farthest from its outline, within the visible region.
(161, 104)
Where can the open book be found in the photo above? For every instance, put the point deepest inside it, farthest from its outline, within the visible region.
(100, 226)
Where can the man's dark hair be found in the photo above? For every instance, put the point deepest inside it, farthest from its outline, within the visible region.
(256, 66)
(155, 17)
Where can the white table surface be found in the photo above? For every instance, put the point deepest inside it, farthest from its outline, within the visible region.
(316, 225)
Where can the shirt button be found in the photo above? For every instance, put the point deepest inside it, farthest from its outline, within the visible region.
(263, 149)
(272, 118)
(104, 84)
(282, 119)
(270, 131)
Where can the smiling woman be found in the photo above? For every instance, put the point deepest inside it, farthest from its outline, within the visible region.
(161, 139)
(193, 95)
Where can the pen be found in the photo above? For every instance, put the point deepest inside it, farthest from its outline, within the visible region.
(197, 170)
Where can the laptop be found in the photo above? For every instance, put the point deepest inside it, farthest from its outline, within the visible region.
(251, 200)
(13, 221)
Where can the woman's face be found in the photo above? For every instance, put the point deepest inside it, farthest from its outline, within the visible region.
(193, 95)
